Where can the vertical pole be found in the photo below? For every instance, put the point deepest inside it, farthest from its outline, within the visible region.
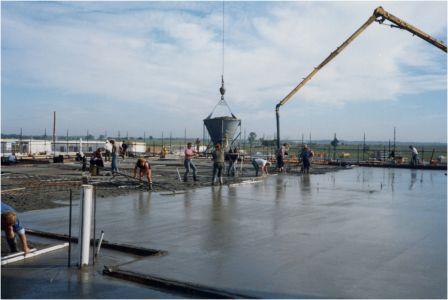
(54, 133)
(170, 140)
(45, 142)
(67, 141)
(85, 216)
(70, 231)
(277, 117)
(389, 148)
(394, 139)
(310, 138)
(185, 137)
(358, 153)
(94, 225)
(20, 143)
(162, 140)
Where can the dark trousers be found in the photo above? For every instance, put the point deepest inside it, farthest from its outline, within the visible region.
(231, 170)
(256, 166)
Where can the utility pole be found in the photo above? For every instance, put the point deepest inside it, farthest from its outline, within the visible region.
(127, 135)
(45, 141)
(67, 141)
(389, 148)
(185, 137)
(54, 133)
(170, 139)
(20, 143)
(87, 138)
(394, 139)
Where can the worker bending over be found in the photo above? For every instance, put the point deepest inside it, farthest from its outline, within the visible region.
(145, 168)
(11, 225)
(262, 164)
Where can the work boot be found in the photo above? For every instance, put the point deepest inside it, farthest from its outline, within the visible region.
(12, 243)
(150, 186)
(220, 180)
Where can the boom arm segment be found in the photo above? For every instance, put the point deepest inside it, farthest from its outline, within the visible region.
(379, 15)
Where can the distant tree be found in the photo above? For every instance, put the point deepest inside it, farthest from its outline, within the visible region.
(102, 137)
(151, 137)
(252, 137)
(90, 137)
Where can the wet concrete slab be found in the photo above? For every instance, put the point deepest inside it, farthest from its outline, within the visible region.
(365, 232)
(48, 277)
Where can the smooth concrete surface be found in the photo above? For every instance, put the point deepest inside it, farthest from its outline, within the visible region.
(47, 276)
(360, 233)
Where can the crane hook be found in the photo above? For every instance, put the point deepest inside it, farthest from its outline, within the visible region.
(222, 90)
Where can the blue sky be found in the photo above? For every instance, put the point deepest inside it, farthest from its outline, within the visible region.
(153, 66)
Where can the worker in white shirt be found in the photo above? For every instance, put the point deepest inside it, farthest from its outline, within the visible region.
(414, 153)
(262, 164)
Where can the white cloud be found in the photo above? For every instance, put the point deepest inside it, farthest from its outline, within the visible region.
(170, 59)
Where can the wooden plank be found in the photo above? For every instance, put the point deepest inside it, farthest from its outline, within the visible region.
(16, 254)
(36, 253)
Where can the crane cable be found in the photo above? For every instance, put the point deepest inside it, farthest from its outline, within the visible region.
(222, 90)
(222, 72)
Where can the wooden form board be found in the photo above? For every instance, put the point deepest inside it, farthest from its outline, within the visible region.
(20, 256)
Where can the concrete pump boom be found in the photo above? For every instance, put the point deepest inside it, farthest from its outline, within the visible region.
(379, 15)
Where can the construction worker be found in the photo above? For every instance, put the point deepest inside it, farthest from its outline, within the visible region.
(233, 157)
(11, 226)
(305, 157)
(218, 163)
(108, 150)
(188, 163)
(145, 168)
(414, 154)
(115, 153)
(124, 149)
(262, 164)
(281, 157)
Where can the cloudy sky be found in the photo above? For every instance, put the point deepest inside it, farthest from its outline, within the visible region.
(152, 66)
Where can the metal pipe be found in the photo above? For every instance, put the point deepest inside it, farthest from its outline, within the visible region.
(94, 225)
(277, 116)
(99, 244)
(70, 231)
(85, 224)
